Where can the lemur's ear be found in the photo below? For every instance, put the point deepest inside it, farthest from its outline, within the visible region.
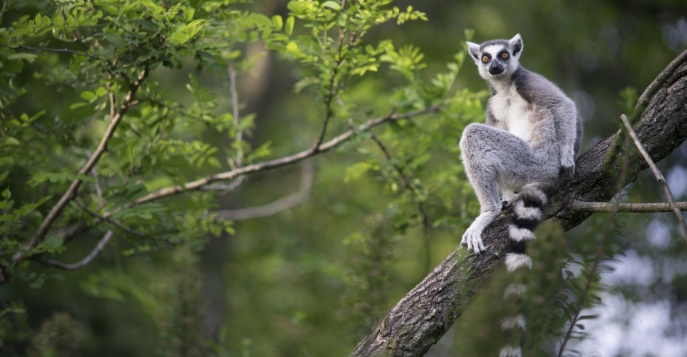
(473, 49)
(515, 45)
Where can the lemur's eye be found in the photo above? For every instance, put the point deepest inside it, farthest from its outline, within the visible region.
(485, 58)
(504, 55)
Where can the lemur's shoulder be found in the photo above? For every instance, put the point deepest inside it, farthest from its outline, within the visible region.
(536, 89)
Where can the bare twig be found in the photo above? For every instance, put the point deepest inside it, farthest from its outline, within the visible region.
(74, 187)
(272, 164)
(659, 176)
(276, 206)
(606, 207)
(83, 262)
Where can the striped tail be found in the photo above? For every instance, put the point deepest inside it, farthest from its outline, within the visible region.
(527, 215)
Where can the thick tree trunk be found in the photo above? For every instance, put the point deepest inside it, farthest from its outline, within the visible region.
(423, 315)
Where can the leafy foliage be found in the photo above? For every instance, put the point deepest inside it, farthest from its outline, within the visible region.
(93, 164)
(111, 109)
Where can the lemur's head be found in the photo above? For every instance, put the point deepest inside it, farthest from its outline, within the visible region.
(496, 59)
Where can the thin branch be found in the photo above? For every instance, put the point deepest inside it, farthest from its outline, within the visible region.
(47, 49)
(225, 188)
(276, 206)
(659, 176)
(607, 207)
(83, 262)
(329, 97)
(107, 219)
(235, 113)
(74, 187)
(283, 161)
(233, 94)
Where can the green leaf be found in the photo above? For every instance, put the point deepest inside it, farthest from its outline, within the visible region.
(88, 95)
(11, 141)
(54, 242)
(78, 105)
(28, 57)
(262, 20)
(116, 40)
(332, 5)
(278, 22)
(292, 48)
(185, 33)
(298, 7)
(356, 171)
(289, 25)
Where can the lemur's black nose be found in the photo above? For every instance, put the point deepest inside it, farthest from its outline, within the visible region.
(495, 68)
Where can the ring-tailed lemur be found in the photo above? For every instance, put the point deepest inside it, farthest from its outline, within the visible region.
(529, 141)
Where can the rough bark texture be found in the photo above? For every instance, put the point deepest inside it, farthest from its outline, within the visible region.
(422, 317)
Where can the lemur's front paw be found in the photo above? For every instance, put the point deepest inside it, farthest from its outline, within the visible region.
(473, 240)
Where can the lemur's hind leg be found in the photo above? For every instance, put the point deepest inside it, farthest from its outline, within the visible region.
(489, 155)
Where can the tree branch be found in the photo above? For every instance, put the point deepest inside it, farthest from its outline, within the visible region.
(283, 161)
(659, 176)
(83, 262)
(421, 317)
(107, 219)
(276, 206)
(74, 187)
(607, 207)
(660, 81)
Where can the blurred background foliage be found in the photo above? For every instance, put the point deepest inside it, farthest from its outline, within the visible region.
(310, 280)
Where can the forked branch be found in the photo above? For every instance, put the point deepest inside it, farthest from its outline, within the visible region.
(71, 192)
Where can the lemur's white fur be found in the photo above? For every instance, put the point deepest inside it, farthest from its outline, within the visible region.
(529, 142)
(510, 351)
(515, 261)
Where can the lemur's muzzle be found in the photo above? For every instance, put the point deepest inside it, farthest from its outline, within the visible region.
(495, 68)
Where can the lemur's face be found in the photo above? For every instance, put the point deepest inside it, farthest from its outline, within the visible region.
(496, 58)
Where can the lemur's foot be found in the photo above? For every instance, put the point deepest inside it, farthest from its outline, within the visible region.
(472, 238)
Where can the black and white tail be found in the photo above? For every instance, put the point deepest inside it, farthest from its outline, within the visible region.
(527, 215)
